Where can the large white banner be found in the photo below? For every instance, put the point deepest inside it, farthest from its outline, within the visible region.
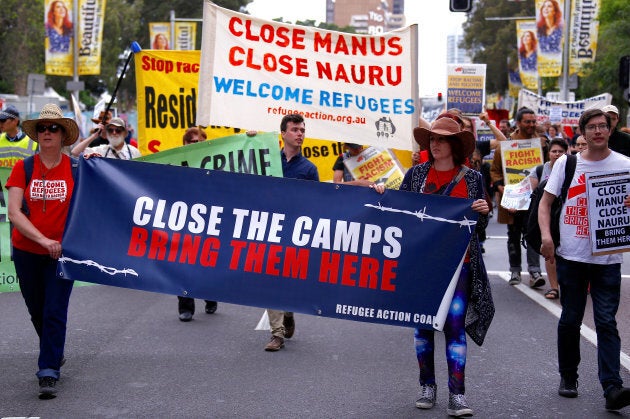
(349, 87)
(569, 112)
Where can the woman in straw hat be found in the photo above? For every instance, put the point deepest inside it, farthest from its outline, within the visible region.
(445, 174)
(38, 211)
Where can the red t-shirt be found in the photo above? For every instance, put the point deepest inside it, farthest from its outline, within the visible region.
(438, 178)
(48, 205)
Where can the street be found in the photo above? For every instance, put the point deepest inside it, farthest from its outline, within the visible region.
(128, 355)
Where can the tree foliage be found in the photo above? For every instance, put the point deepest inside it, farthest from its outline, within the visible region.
(493, 42)
(613, 43)
(22, 40)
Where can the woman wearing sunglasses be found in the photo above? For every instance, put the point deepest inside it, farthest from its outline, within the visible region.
(116, 131)
(38, 209)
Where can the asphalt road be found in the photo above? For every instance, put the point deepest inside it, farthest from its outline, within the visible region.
(129, 357)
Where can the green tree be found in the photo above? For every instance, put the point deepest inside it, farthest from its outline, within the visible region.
(613, 43)
(493, 42)
(22, 42)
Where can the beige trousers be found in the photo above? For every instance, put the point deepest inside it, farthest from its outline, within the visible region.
(276, 319)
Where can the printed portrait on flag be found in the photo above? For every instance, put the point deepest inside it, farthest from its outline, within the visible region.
(527, 52)
(549, 32)
(59, 28)
(160, 34)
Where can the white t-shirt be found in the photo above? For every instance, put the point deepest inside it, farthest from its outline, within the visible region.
(575, 242)
(127, 152)
(546, 171)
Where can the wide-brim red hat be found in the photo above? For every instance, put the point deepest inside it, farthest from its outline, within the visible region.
(448, 128)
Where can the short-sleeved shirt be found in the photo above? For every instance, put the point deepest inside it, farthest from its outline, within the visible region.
(128, 152)
(340, 165)
(575, 242)
(299, 167)
(48, 199)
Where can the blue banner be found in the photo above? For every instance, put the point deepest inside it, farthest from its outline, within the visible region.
(316, 248)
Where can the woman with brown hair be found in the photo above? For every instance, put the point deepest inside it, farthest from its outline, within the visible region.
(472, 308)
(38, 208)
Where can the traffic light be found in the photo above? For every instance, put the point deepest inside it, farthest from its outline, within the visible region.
(460, 5)
(439, 97)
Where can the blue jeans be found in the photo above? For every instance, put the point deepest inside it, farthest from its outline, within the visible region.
(605, 288)
(47, 299)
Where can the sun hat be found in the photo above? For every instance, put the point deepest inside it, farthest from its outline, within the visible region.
(446, 127)
(52, 113)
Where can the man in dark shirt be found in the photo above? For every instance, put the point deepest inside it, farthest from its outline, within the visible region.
(619, 141)
(295, 166)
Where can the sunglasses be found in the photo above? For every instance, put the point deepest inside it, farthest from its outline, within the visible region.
(52, 128)
(115, 130)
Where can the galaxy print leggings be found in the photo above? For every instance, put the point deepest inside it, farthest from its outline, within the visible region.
(455, 339)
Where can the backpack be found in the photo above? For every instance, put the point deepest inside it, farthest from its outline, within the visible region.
(29, 163)
(531, 235)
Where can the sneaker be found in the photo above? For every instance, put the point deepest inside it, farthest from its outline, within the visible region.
(47, 388)
(515, 278)
(618, 398)
(428, 394)
(211, 306)
(536, 280)
(289, 326)
(568, 388)
(457, 405)
(186, 316)
(274, 344)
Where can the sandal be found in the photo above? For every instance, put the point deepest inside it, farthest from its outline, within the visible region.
(552, 294)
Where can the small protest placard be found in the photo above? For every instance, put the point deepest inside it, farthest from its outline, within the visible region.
(608, 217)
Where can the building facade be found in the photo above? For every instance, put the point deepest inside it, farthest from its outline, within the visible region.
(369, 17)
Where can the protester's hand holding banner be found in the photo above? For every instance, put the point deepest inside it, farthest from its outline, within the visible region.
(346, 86)
(266, 241)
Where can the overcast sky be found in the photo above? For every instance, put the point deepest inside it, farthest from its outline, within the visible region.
(435, 23)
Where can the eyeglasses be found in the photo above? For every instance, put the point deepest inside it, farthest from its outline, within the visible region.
(115, 130)
(52, 128)
(593, 127)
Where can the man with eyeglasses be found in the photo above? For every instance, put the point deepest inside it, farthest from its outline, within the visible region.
(578, 270)
(516, 220)
(15, 145)
(619, 141)
(116, 131)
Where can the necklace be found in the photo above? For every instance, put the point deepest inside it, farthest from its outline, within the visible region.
(48, 169)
